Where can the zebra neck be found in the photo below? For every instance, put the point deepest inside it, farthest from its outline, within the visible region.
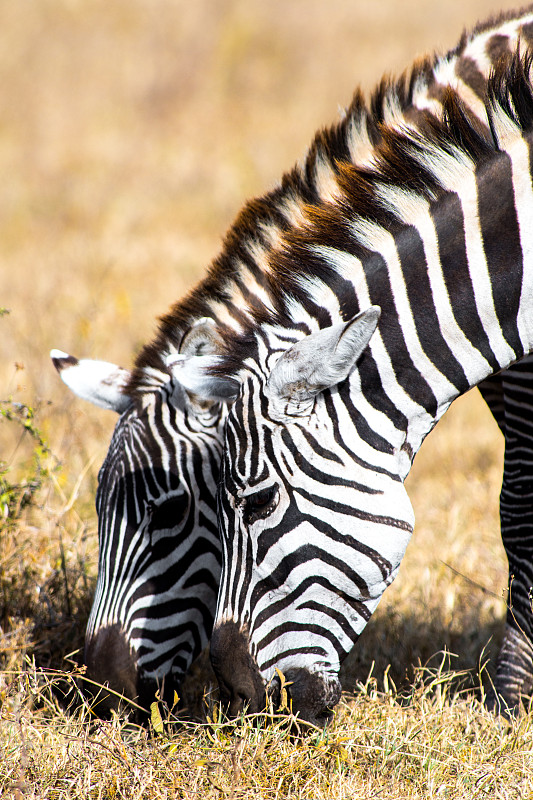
(239, 284)
(461, 280)
(454, 279)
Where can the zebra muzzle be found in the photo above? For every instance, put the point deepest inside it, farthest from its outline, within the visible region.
(309, 695)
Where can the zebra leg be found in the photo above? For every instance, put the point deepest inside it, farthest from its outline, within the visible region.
(514, 675)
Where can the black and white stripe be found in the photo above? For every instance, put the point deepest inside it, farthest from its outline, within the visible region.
(159, 555)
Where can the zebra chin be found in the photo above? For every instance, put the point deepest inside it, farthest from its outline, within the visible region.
(113, 681)
(312, 694)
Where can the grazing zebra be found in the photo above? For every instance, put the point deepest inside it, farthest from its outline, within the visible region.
(411, 285)
(149, 619)
(159, 551)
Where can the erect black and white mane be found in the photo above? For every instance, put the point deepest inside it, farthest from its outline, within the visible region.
(343, 170)
(408, 164)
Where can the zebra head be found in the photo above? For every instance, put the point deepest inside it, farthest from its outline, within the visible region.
(314, 519)
(159, 551)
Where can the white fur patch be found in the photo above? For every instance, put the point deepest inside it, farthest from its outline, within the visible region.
(472, 101)
(292, 210)
(224, 316)
(99, 382)
(194, 375)
(449, 169)
(521, 171)
(326, 182)
(320, 293)
(479, 271)
(359, 144)
(406, 205)
(421, 99)
(392, 111)
(505, 129)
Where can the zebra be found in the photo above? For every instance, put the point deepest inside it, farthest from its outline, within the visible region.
(413, 284)
(145, 625)
(159, 551)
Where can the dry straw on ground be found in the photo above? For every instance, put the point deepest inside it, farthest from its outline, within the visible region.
(130, 134)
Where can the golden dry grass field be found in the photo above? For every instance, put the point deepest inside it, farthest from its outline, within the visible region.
(130, 134)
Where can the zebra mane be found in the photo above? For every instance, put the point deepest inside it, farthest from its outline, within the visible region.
(403, 155)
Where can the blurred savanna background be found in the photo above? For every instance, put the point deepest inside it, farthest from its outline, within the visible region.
(131, 133)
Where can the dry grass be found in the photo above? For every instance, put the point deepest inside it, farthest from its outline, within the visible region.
(130, 134)
(433, 742)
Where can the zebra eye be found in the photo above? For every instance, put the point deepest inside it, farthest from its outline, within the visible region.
(260, 505)
(168, 514)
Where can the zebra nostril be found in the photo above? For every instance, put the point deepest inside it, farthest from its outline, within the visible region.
(313, 696)
(324, 716)
(243, 701)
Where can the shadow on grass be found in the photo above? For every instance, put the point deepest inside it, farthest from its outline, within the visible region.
(396, 643)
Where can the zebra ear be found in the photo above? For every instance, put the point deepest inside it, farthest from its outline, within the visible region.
(320, 361)
(201, 339)
(199, 351)
(99, 382)
(194, 375)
